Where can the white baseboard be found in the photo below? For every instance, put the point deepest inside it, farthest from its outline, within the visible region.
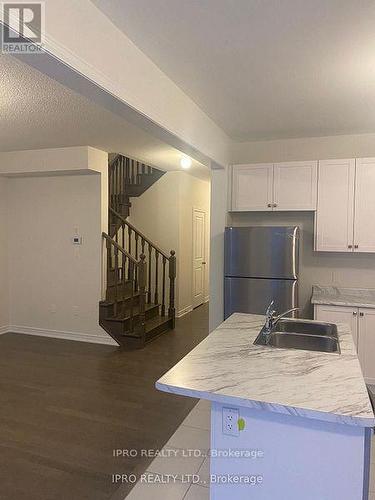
(4, 329)
(184, 311)
(60, 334)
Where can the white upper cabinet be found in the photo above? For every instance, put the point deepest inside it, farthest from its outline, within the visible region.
(335, 209)
(295, 185)
(280, 186)
(252, 187)
(364, 212)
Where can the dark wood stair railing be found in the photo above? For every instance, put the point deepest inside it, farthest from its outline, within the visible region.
(121, 267)
(156, 275)
(140, 294)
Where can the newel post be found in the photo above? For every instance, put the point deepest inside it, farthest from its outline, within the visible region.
(142, 277)
(172, 279)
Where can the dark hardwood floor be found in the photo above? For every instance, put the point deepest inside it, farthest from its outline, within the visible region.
(64, 407)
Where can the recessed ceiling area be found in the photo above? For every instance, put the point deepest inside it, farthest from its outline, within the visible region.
(36, 112)
(263, 69)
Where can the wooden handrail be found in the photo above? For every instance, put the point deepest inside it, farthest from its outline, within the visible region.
(119, 248)
(142, 236)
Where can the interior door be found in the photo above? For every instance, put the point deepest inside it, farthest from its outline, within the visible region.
(335, 210)
(295, 185)
(252, 187)
(339, 314)
(199, 232)
(364, 220)
(366, 348)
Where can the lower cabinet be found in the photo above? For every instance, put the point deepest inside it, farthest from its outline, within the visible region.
(362, 324)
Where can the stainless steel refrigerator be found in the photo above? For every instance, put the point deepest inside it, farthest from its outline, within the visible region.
(261, 264)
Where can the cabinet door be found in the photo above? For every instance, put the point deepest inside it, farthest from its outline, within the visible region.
(252, 187)
(335, 209)
(295, 185)
(339, 314)
(364, 218)
(366, 340)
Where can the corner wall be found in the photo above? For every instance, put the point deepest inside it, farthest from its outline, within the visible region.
(55, 286)
(4, 277)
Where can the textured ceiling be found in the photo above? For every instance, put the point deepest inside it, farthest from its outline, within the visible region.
(37, 112)
(263, 69)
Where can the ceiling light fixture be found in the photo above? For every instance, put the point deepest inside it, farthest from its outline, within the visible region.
(185, 162)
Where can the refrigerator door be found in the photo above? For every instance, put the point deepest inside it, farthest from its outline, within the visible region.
(262, 252)
(252, 295)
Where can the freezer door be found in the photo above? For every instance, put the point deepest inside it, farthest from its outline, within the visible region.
(262, 252)
(252, 295)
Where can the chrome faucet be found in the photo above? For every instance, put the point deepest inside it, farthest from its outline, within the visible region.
(272, 319)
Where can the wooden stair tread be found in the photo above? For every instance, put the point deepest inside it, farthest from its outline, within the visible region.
(148, 307)
(155, 322)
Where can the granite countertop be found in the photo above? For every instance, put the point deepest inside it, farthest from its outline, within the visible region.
(226, 367)
(335, 296)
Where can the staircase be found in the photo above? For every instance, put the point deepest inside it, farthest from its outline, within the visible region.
(140, 288)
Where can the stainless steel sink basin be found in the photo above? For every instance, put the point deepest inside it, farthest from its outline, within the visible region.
(306, 327)
(299, 334)
(305, 342)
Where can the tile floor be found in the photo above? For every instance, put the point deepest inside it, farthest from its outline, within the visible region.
(193, 434)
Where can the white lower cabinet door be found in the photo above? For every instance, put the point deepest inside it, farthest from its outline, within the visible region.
(366, 348)
(339, 314)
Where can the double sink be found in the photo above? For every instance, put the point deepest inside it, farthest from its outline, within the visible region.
(299, 334)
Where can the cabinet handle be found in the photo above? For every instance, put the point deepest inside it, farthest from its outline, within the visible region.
(355, 246)
(354, 313)
(269, 205)
(361, 314)
(350, 246)
(275, 204)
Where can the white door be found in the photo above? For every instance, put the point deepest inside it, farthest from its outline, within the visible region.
(252, 187)
(339, 314)
(364, 218)
(295, 185)
(366, 347)
(335, 209)
(199, 232)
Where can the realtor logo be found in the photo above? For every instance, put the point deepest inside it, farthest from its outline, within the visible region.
(23, 27)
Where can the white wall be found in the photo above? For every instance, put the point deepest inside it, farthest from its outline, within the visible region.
(55, 286)
(164, 214)
(219, 207)
(310, 148)
(4, 234)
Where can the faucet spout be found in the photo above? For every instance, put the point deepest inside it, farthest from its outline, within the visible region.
(272, 319)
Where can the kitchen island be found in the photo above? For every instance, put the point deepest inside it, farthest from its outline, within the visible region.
(285, 423)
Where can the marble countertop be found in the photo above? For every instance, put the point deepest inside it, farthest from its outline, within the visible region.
(335, 296)
(227, 367)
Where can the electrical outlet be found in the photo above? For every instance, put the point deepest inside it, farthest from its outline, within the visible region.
(230, 419)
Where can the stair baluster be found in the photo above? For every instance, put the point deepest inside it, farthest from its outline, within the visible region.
(149, 273)
(156, 300)
(163, 288)
(172, 279)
